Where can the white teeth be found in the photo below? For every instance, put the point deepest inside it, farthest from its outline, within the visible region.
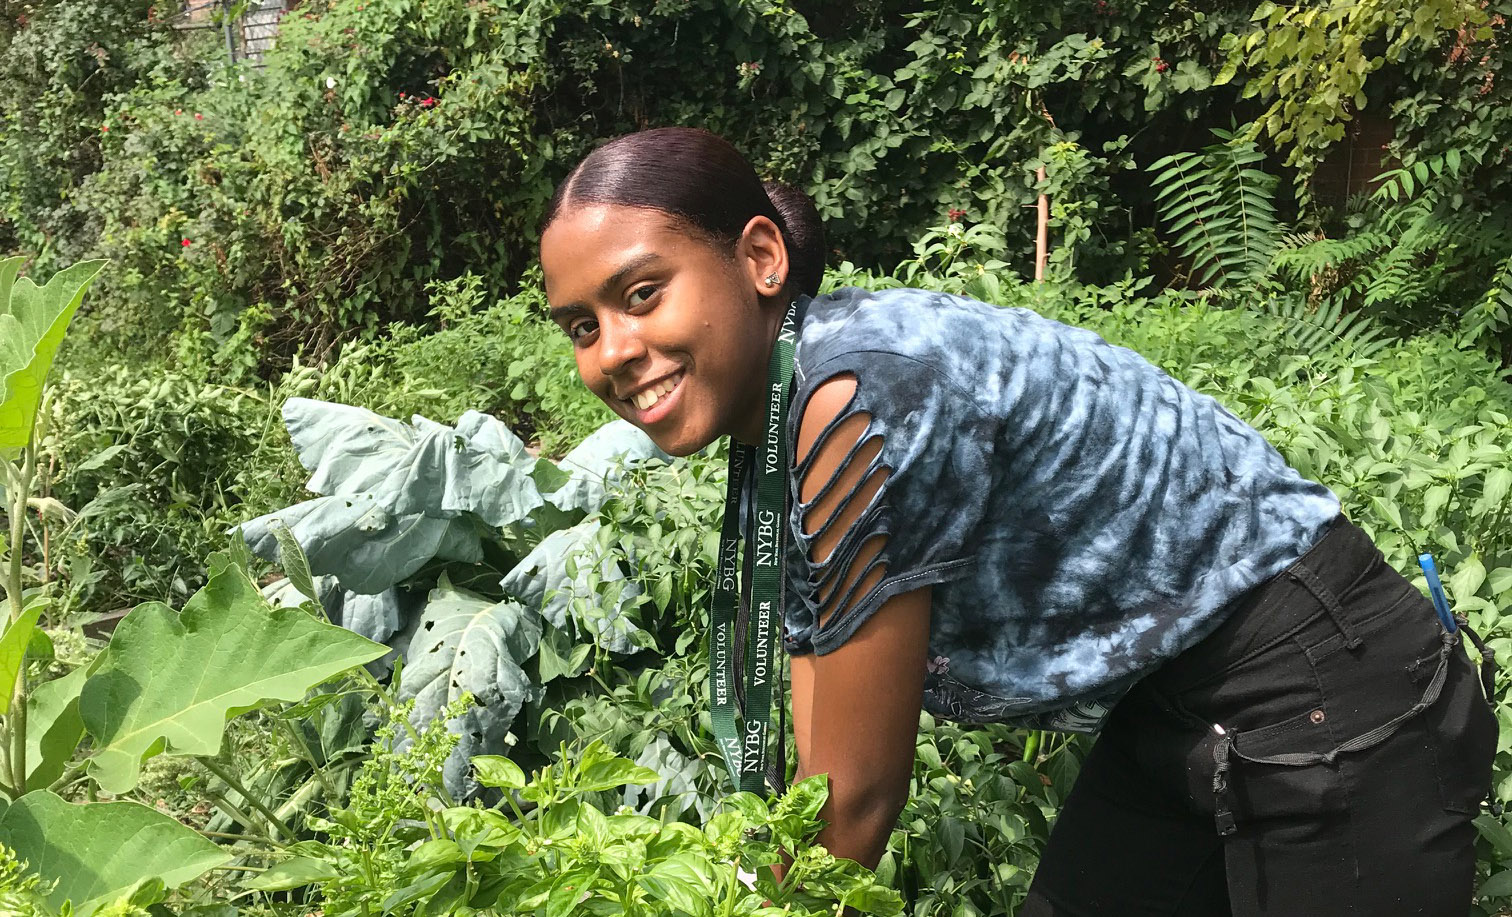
(650, 396)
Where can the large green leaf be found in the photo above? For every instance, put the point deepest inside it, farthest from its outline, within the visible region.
(367, 548)
(98, 852)
(170, 681)
(53, 727)
(397, 495)
(465, 642)
(13, 645)
(33, 320)
(479, 466)
(348, 450)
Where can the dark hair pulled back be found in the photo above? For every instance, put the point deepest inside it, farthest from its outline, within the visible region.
(701, 179)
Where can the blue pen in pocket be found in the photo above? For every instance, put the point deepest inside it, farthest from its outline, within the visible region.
(1436, 589)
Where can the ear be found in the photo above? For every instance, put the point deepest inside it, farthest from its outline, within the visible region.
(762, 253)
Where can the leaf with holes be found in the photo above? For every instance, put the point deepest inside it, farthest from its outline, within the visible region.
(347, 450)
(230, 652)
(367, 548)
(467, 643)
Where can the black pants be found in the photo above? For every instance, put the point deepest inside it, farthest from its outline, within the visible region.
(1171, 817)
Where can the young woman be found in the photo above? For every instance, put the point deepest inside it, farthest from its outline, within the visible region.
(1003, 518)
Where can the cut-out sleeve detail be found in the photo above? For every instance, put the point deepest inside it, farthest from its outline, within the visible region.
(873, 433)
(839, 485)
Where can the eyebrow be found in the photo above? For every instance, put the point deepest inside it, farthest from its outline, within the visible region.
(574, 309)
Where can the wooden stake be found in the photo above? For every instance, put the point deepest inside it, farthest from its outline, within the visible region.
(1042, 237)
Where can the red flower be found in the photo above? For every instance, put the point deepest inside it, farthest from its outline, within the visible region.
(1160, 65)
(104, 127)
(198, 116)
(185, 242)
(178, 111)
(428, 102)
(955, 213)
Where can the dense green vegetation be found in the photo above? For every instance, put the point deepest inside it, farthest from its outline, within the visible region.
(341, 242)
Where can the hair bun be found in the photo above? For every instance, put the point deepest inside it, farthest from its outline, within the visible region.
(804, 232)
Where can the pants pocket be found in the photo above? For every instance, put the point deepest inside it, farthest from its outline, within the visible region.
(1461, 732)
(1276, 794)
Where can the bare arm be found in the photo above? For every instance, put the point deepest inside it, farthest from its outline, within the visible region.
(856, 709)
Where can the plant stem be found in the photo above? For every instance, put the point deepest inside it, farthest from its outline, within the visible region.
(303, 747)
(19, 489)
(69, 776)
(234, 810)
(226, 836)
(253, 801)
(299, 797)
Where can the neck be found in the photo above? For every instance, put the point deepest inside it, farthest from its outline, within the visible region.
(752, 421)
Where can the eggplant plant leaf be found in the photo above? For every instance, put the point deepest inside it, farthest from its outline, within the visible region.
(98, 852)
(13, 644)
(33, 321)
(468, 643)
(231, 652)
(53, 727)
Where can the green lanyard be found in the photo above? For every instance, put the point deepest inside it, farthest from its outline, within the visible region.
(743, 735)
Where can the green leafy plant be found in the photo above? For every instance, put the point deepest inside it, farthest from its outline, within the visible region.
(401, 499)
(1221, 208)
(1406, 252)
(560, 852)
(130, 704)
(1314, 61)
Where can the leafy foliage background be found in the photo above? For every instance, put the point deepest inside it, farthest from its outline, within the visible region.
(354, 222)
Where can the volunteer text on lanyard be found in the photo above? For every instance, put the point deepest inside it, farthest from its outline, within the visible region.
(743, 734)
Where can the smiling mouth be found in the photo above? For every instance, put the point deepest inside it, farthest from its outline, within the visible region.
(648, 398)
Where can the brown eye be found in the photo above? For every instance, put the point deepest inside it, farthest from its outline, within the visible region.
(580, 329)
(642, 295)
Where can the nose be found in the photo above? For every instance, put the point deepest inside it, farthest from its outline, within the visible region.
(620, 344)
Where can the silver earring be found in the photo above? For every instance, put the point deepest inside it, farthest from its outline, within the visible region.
(772, 279)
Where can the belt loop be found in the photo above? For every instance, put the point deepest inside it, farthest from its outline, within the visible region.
(1223, 817)
(1323, 594)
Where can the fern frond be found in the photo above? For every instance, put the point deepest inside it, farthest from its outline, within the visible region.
(1316, 332)
(1220, 210)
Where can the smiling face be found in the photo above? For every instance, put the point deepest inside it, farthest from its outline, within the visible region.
(670, 330)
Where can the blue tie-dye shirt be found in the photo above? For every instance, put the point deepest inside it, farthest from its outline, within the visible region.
(1081, 515)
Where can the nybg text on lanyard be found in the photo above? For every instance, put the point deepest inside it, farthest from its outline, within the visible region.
(741, 712)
